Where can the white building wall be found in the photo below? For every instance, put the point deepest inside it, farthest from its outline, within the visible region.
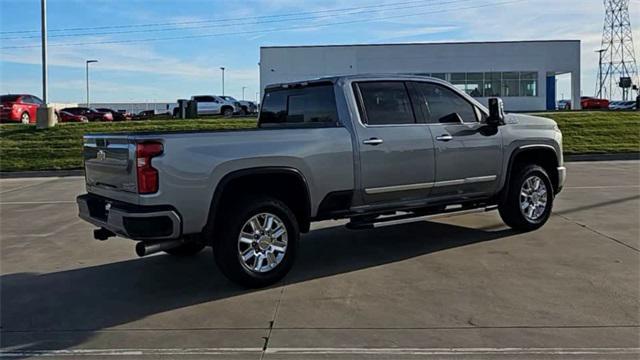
(295, 63)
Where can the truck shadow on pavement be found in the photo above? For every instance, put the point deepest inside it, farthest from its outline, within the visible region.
(60, 310)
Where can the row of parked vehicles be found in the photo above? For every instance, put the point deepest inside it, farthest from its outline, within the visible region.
(592, 103)
(219, 105)
(23, 108)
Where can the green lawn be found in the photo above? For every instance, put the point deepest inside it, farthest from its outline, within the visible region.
(598, 131)
(22, 147)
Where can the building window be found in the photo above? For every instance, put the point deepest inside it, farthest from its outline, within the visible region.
(492, 81)
(492, 84)
(528, 84)
(510, 84)
(475, 84)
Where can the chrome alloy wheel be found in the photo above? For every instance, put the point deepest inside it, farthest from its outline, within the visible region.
(262, 242)
(533, 198)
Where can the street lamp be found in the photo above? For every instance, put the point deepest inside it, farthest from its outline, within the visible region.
(244, 87)
(222, 68)
(87, 64)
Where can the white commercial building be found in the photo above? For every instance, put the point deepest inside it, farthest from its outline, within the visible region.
(523, 73)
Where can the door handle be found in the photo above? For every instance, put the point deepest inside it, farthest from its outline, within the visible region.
(373, 141)
(444, 137)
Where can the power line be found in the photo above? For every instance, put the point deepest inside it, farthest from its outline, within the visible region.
(218, 20)
(237, 24)
(264, 30)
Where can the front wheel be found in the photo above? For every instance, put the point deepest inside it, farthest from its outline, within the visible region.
(227, 112)
(529, 199)
(257, 243)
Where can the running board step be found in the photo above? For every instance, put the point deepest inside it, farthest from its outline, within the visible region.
(357, 224)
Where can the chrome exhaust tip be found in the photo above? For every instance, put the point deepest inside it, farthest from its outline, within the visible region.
(148, 248)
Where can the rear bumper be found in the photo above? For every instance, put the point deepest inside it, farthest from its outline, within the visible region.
(128, 220)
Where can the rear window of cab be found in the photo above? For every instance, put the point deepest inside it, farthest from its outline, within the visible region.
(312, 105)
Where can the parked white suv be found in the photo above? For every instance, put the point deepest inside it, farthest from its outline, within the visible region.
(215, 105)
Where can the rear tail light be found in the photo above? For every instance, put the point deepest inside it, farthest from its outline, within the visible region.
(147, 174)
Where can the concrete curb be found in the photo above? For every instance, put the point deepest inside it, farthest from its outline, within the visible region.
(602, 157)
(80, 172)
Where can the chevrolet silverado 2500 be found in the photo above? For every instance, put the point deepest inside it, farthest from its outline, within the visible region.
(363, 147)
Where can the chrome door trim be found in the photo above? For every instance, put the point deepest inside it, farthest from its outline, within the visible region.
(385, 189)
(480, 179)
(418, 186)
(470, 180)
(449, 182)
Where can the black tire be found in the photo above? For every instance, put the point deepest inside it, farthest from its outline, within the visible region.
(226, 240)
(510, 208)
(187, 249)
(227, 112)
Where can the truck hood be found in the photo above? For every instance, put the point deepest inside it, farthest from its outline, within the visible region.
(530, 120)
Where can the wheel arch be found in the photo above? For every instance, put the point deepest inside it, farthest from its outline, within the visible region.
(285, 183)
(543, 155)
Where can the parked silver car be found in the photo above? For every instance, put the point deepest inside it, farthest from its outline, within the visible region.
(215, 105)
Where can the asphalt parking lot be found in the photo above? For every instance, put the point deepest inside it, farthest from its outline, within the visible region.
(454, 287)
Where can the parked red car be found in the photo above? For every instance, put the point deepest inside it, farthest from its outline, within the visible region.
(117, 116)
(64, 116)
(587, 102)
(19, 108)
(91, 114)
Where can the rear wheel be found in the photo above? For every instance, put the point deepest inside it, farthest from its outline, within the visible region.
(25, 118)
(529, 199)
(257, 243)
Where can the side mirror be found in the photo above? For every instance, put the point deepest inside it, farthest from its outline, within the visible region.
(496, 112)
(453, 118)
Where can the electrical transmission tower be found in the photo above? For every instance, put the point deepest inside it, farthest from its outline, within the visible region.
(617, 66)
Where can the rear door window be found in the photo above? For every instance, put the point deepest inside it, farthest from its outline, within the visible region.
(312, 105)
(385, 103)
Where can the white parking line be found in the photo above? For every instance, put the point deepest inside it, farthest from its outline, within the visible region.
(604, 187)
(456, 351)
(324, 351)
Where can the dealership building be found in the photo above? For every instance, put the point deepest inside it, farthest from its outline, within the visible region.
(522, 73)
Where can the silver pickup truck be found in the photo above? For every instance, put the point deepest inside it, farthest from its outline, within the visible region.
(368, 148)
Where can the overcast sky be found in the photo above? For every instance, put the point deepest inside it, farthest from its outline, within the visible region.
(164, 70)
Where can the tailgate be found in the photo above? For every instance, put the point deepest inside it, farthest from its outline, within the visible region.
(109, 163)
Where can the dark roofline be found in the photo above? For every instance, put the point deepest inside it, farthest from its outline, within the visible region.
(421, 43)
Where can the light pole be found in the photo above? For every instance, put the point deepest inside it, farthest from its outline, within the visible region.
(45, 77)
(244, 87)
(222, 68)
(600, 84)
(87, 63)
(44, 115)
